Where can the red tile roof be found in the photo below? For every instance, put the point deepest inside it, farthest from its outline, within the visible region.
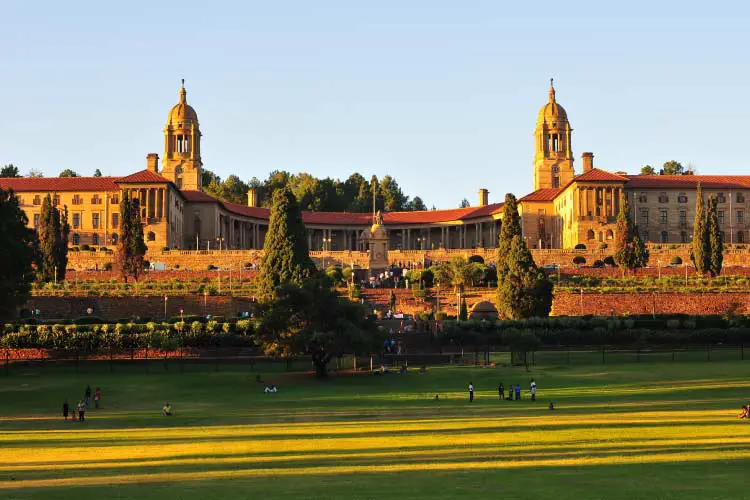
(198, 197)
(53, 184)
(353, 218)
(596, 174)
(143, 177)
(545, 194)
(688, 181)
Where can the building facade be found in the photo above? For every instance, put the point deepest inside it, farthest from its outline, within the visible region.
(563, 211)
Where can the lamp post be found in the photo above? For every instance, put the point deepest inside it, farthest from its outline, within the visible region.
(165, 307)
(220, 239)
(182, 314)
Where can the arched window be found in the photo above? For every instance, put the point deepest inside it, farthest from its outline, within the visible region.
(76, 239)
(610, 235)
(555, 176)
(95, 239)
(664, 237)
(150, 236)
(115, 238)
(178, 177)
(590, 234)
(683, 237)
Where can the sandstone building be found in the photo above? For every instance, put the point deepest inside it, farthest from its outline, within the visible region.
(563, 211)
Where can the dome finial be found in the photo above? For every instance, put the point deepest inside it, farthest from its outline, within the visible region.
(183, 93)
(551, 90)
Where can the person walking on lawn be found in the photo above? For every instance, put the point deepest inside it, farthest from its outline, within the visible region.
(471, 392)
(66, 409)
(501, 391)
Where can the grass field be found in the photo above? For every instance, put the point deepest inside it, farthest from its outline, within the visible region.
(626, 431)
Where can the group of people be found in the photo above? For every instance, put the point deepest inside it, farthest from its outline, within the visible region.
(513, 390)
(82, 406)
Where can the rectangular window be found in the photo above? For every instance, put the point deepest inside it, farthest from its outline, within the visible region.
(644, 216)
(76, 220)
(643, 198)
(115, 220)
(663, 216)
(37, 200)
(36, 221)
(95, 200)
(740, 198)
(722, 198)
(682, 198)
(114, 200)
(720, 214)
(95, 221)
(740, 216)
(663, 198)
(77, 200)
(683, 218)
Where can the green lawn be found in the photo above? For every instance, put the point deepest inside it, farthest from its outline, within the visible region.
(656, 430)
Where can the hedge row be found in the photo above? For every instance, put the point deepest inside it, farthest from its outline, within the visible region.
(92, 338)
(598, 331)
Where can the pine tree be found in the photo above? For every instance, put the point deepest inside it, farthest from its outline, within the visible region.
(714, 240)
(523, 289)
(53, 242)
(18, 249)
(631, 251)
(286, 257)
(700, 252)
(132, 248)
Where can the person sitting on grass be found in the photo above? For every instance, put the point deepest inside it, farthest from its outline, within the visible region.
(745, 413)
(167, 409)
(271, 389)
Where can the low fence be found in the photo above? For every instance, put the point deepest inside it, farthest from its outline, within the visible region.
(152, 361)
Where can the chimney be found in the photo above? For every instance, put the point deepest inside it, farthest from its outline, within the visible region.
(588, 161)
(252, 197)
(483, 197)
(152, 162)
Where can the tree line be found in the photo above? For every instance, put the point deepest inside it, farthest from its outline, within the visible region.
(355, 194)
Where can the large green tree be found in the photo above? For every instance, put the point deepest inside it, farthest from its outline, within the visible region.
(286, 257)
(18, 249)
(648, 170)
(68, 173)
(53, 233)
(672, 167)
(311, 318)
(631, 252)
(523, 289)
(715, 241)
(131, 248)
(700, 252)
(9, 170)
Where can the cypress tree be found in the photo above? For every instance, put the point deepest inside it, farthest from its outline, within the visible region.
(714, 240)
(523, 289)
(53, 242)
(132, 247)
(463, 311)
(510, 227)
(18, 249)
(286, 258)
(700, 251)
(631, 251)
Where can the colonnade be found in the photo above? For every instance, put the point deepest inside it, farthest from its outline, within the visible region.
(598, 201)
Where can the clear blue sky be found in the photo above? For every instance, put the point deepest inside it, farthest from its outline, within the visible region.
(443, 95)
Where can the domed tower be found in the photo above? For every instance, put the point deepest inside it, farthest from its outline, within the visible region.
(553, 158)
(182, 145)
